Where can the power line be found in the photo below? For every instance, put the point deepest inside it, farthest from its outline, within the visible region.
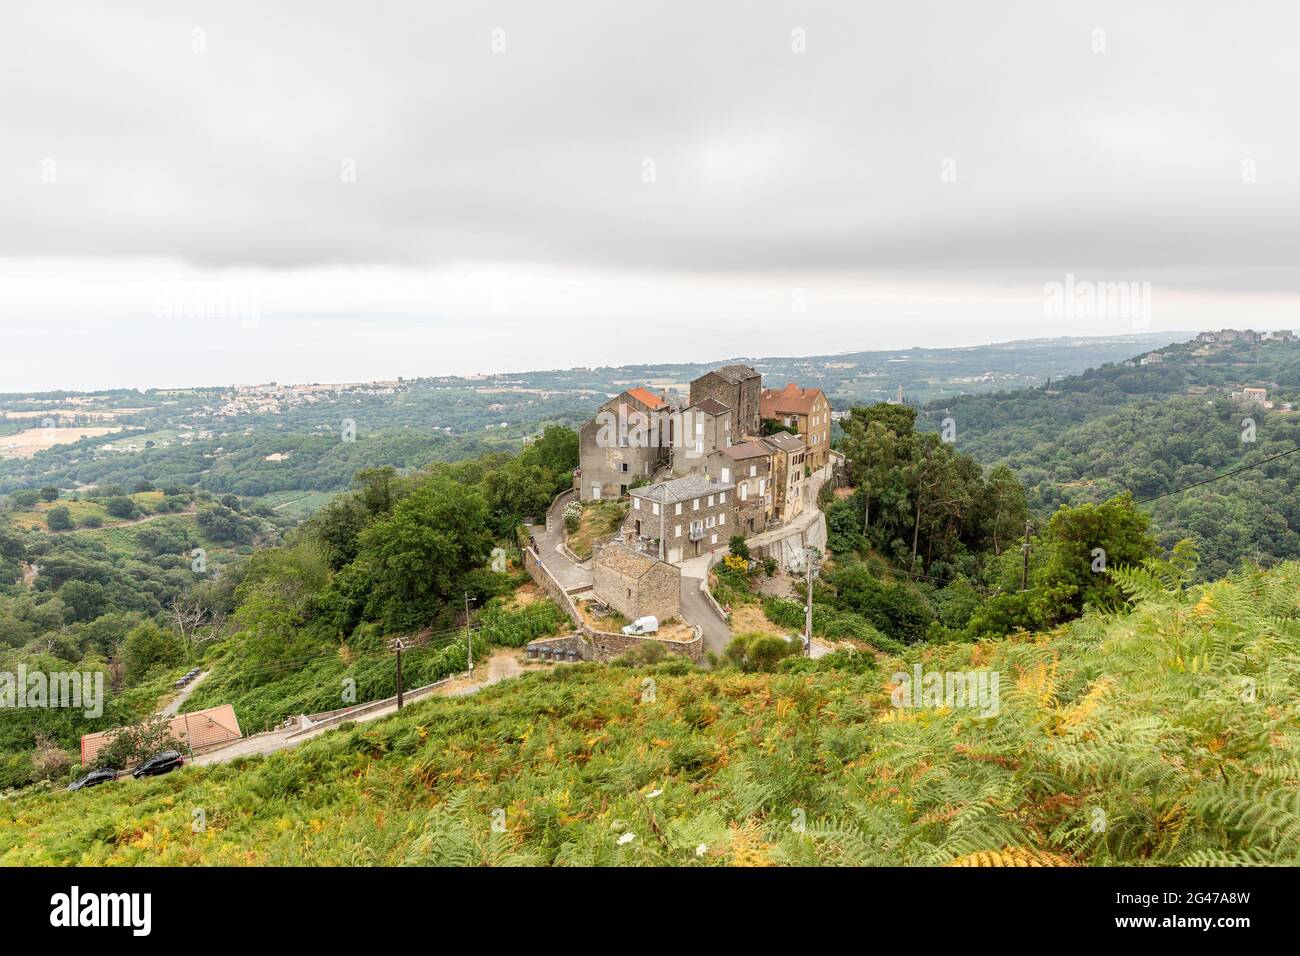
(1226, 474)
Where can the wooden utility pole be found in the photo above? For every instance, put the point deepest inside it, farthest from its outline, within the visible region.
(397, 646)
(469, 643)
(1024, 574)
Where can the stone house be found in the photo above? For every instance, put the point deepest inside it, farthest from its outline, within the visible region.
(681, 518)
(630, 437)
(636, 584)
(706, 427)
(749, 467)
(788, 482)
(807, 410)
(738, 387)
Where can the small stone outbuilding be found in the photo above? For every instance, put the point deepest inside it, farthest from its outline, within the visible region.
(636, 584)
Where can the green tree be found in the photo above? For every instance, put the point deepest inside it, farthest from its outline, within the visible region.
(121, 507)
(416, 559)
(148, 646)
(59, 519)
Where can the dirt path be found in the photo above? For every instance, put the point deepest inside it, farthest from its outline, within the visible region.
(193, 509)
(174, 705)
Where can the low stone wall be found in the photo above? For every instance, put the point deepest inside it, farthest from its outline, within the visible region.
(607, 646)
(712, 601)
(544, 580)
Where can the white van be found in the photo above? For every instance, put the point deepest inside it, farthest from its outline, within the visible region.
(642, 625)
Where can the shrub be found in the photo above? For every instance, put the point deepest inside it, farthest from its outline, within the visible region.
(760, 652)
(121, 507)
(59, 519)
(49, 760)
(572, 516)
(517, 627)
(647, 652)
(25, 499)
(738, 546)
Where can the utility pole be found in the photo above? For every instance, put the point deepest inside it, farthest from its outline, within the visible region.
(469, 643)
(1024, 574)
(397, 646)
(808, 554)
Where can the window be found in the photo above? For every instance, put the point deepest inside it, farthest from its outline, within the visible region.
(722, 518)
(654, 507)
(762, 484)
(722, 497)
(714, 539)
(636, 504)
(753, 470)
(699, 428)
(710, 501)
(710, 522)
(678, 533)
(744, 492)
(695, 505)
(677, 508)
(726, 475)
(623, 466)
(595, 492)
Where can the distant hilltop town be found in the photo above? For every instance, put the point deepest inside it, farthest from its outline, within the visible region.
(1248, 336)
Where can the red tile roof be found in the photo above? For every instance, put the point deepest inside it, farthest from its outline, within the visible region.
(646, 397)
(774, 402)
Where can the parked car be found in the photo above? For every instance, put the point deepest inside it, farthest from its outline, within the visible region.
(164, 762)
(94, 778)
(642, 625)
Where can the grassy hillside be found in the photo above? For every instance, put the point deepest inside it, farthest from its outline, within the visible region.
(1165, 735)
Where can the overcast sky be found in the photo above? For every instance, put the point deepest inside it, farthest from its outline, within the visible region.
(237, 191)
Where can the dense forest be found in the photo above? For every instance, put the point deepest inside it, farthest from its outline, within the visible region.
(1155, 431)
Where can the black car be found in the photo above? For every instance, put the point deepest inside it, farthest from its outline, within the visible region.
(164, 762)
(94, 778)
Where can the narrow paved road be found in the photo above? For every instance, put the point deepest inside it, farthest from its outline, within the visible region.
(565, 570)
(502, 664)
(697, 610)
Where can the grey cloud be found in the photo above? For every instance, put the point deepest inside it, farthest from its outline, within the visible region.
(765, 158)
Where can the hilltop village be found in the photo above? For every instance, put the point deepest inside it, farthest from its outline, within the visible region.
(663, 488)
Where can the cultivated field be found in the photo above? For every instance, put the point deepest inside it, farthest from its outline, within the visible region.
(27, 443)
